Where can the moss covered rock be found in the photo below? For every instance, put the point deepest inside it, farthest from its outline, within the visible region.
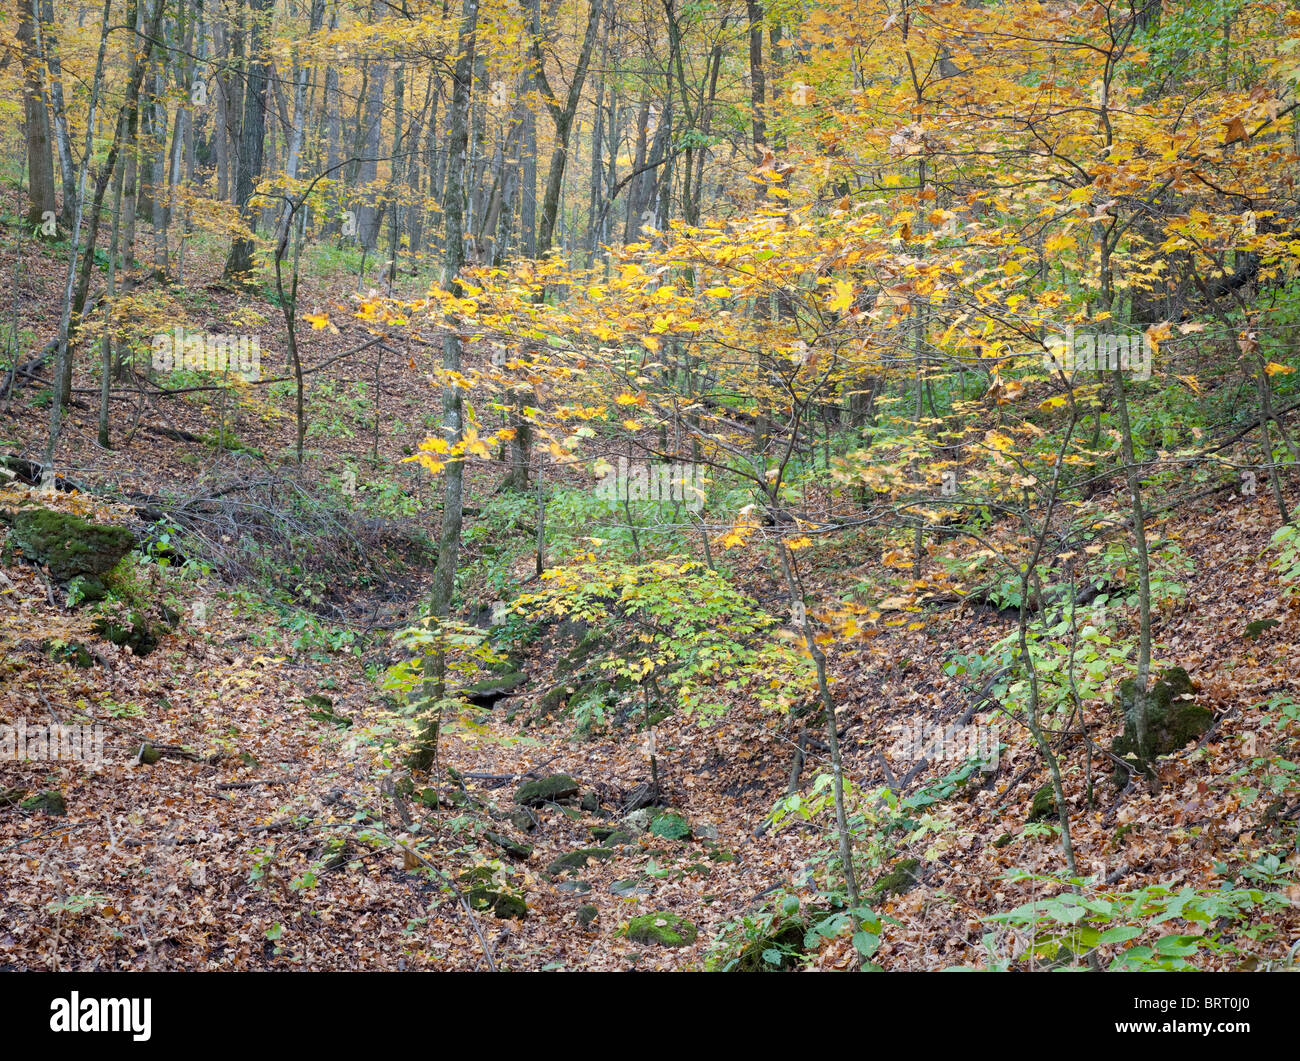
(1174, 719)
(131, 631)
(555, 787)
(69, 545)
(514, 848)
(905, 875)
(1043, 805)
(666, 930)
(587, 914)
(776, 950)
(487, 692)
(670, 826)
(574, 860)
(483, 892)
(47, 801)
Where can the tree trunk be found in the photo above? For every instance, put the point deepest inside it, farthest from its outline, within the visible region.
(251, 135)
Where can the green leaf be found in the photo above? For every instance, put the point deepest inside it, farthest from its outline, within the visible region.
(1177, 946)
(867, 943)
(1119, 934)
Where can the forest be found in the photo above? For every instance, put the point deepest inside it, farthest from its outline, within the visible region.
(680, 485)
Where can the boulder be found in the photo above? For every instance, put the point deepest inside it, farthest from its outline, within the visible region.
(546, 789)
(575, 860)
(1174, 719)
(47, 801)
(664, 929)
(905, 876)
(670, 826)
(69, 545)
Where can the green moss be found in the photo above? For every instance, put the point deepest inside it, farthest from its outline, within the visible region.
(131, 631)
(1043, 805)
(587, 914)
(514, 848)
(555, 787)
(1253, 630)
(905, 876)
(667, 930)
(575, 860)
(69, 545)
(670, 826)
(1173, 719)
(47, 801)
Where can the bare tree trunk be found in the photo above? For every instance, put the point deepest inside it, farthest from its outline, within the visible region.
(453, 260)
(40, 159)
(251, 134)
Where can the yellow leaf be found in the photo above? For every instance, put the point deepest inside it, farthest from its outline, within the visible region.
(842, 297)
(1274, 369)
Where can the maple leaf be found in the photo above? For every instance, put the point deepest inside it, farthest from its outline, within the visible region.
(842, 297)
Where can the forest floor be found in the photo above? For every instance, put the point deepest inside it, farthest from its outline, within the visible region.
(268, 833)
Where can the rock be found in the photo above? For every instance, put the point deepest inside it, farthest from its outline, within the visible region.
(590, 642)
(148, 755)
(86, 589)
(10, 796)
(670, 826)
(667, 930)
(1253, 630)
(704, 832)
(73, 652)
(555, 787)
(509, 905)
(68, 545)
(47, 801)
(905, 876)
(132, 632)
(1043, 805)
(574, 860)
(487, 692)
(778, 949)
(626, 888)
(639, 820)
(590, 801)
(523, 820)
(587, 914)
(1173, 718)
(483, 893)
(581, 887)
(611, 837)
(513, 848)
